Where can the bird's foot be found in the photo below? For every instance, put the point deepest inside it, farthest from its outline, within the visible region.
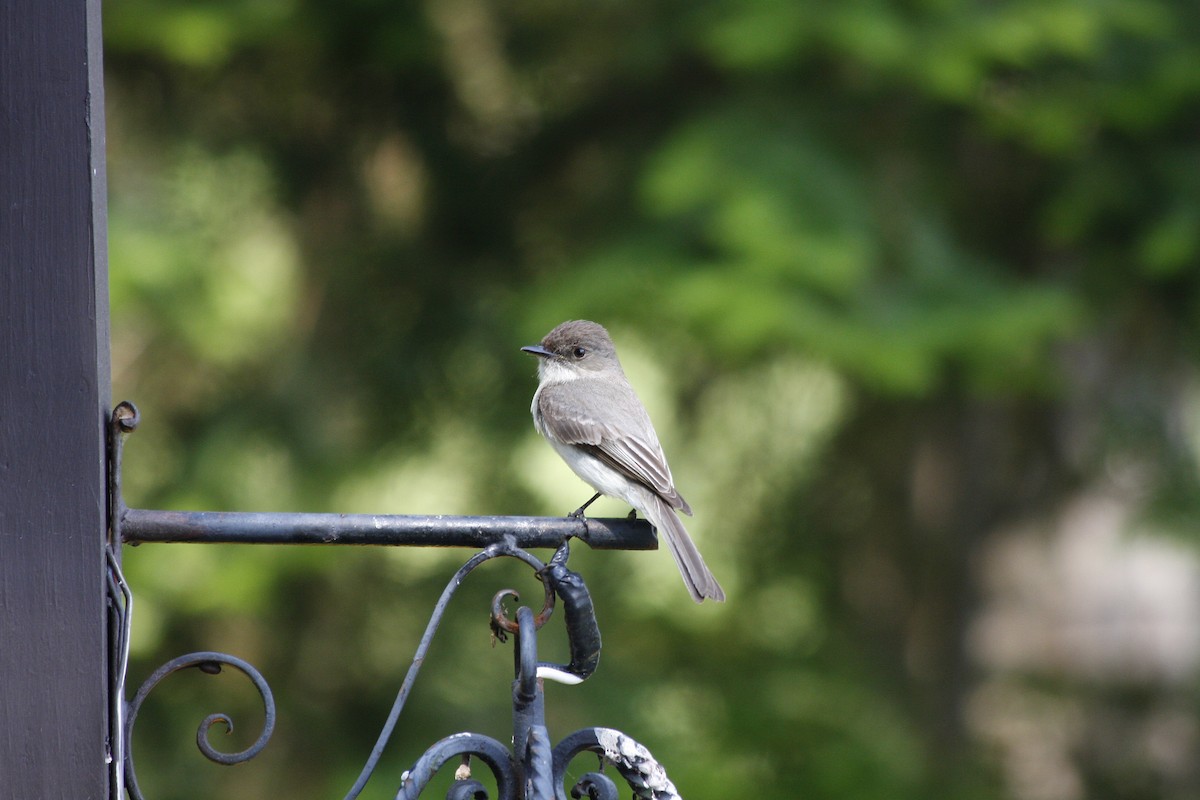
(577, 513)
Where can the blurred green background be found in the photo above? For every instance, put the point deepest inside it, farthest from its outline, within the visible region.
(909, 288)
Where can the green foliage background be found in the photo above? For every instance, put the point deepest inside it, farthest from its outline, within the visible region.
(894, 278)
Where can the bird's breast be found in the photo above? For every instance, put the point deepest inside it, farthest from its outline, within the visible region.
(599, 475)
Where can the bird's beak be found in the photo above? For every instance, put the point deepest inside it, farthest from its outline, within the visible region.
(537, 350)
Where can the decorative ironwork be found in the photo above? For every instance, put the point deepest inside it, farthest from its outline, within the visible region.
(633, 761)
(209, 663)
(532, 769)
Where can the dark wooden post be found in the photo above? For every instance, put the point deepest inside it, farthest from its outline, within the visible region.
(54, 395)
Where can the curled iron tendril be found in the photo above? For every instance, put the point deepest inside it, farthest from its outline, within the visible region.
(467, 790)
(632, 760)
(488, 750)
(595, 786)
(210, 663)
(501, 624)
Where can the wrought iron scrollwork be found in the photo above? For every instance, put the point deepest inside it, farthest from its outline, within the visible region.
(497, 550)
(531, 770)
(631, 759)
(538, 771)
(595, 786)
(484, 748)
(209, 663)
(467, 790)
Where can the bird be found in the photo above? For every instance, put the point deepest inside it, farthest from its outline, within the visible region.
(587, 410)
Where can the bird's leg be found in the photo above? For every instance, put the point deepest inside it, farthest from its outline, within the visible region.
(577, 513)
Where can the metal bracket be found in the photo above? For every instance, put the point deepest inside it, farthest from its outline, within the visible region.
(532, 769)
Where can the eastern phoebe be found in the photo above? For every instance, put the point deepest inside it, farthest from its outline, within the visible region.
(587, 410)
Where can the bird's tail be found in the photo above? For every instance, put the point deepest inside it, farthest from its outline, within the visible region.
(696, 574)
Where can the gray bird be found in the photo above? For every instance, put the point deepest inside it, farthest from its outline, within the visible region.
(589, 413)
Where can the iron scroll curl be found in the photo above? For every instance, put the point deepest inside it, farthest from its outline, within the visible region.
(210, 663)
(632, 760)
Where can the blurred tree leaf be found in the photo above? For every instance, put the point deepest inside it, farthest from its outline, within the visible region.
(893, 277)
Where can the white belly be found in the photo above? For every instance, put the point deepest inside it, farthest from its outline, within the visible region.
(601, 477)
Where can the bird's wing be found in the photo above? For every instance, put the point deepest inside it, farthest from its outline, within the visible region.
(584, 419)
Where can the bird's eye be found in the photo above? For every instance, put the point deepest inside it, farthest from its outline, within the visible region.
(579, 352)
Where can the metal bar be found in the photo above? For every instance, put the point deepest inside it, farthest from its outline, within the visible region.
(139, 526)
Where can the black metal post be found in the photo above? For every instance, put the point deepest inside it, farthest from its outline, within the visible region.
(54, 399)
(531, 741)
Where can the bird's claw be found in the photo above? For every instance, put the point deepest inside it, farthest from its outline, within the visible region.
(578, 513)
